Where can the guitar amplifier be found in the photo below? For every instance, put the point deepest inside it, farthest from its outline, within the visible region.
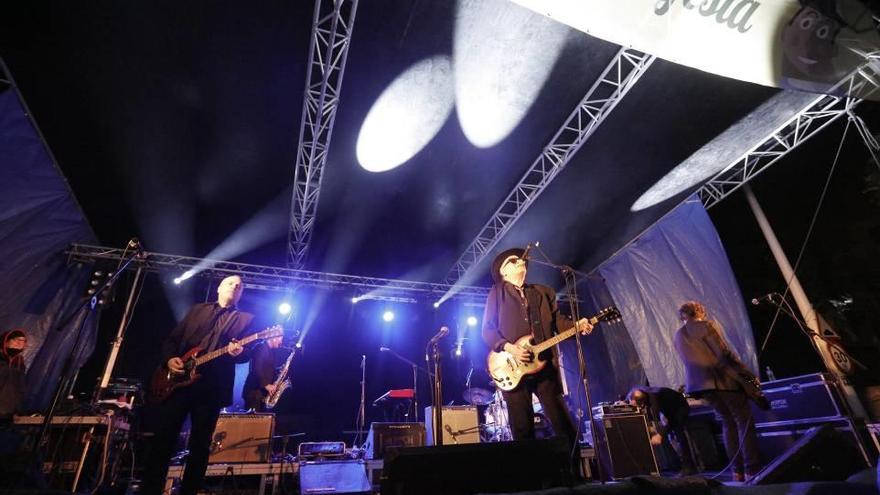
(461, 424)
(384, 435)
(242, 438)
(623, 445)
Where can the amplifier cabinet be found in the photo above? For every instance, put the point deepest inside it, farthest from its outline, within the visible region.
(807, 398)
(384, 435)
(461, 424)
(623, 445)
(774, 439)
(242, 438)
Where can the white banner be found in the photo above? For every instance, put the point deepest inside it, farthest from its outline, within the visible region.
(776, 43)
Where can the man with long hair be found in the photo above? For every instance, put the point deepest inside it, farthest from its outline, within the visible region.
(705, 354)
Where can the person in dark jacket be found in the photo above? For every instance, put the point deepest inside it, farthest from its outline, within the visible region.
(515, 309)
(706, 357)
(210, 326)
(12, 373)
(260, 381)
(668, 411)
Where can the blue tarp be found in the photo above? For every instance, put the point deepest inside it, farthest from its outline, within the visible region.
(680, 258)
(39, 218)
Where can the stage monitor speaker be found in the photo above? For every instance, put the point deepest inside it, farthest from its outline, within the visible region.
(823, 454)
(384, 435)
(242, 438)
(461, 424)
(477, 468)
(624, 446)
(333, 477)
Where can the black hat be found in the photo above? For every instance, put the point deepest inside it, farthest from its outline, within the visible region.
(503, 255)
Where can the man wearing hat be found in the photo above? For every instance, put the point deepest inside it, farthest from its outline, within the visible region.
(515, 309)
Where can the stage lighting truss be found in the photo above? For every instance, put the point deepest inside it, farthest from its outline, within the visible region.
(331, 35)
(815, 116)
(282, 279)
(615, 82)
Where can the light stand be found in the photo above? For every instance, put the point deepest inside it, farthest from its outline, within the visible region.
(570, 276)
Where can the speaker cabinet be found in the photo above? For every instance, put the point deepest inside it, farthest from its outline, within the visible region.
(624, 446)
(823, 454)
(385, 435)
(333, 477)
(477, 468)
(461, 424)
(242, 438)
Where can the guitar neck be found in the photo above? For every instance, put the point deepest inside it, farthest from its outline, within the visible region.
(204, 358)
(543, 346)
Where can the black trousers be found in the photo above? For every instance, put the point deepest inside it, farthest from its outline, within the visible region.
(166, 422)
(737, 424)
(545, 385)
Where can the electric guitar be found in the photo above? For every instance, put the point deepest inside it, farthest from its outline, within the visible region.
(747, 380)
(166, 381)
(507, 371)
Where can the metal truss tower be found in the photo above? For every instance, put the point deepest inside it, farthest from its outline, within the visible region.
(615, 82)
(331, 36)
(815, 116)
(280, 279)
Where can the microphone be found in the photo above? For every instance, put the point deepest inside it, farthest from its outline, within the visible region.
(363, 361)
(384, 349)
(525, 255)
(766, 297)
(444, 331)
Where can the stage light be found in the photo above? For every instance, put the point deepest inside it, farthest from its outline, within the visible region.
(407, 115)
(500, 66)
(284, 308)
(472, 321)
(436, 304)
(354, 300)
(298, 345)
(184, 276)
(388, 316)
(458, 350)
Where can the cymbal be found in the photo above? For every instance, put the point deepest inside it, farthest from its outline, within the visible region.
(478, 396)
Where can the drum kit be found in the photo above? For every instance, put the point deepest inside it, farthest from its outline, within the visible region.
(496, 427)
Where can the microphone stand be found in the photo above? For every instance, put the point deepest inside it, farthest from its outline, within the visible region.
(569, 274)
(415, 369)
(434, 347)
(90, 303)
(362, 414)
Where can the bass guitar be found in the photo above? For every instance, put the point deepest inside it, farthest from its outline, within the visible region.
(507, 371)
(166, 381)
(747, 381)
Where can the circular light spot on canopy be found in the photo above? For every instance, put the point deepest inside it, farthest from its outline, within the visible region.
(503, 55)
(407, 115)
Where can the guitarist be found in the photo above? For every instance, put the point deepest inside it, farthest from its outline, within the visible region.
(209, 326)
(707, 361)
(515, 309)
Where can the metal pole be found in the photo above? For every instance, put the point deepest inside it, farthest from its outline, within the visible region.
(804, 306)
(120, 333)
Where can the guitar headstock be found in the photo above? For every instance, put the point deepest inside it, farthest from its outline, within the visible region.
(609, 314)
(271, 332)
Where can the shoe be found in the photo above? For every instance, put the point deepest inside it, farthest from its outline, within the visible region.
(739, 477)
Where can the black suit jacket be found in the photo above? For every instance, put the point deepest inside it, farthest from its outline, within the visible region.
(217, 376)
(504, 321)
